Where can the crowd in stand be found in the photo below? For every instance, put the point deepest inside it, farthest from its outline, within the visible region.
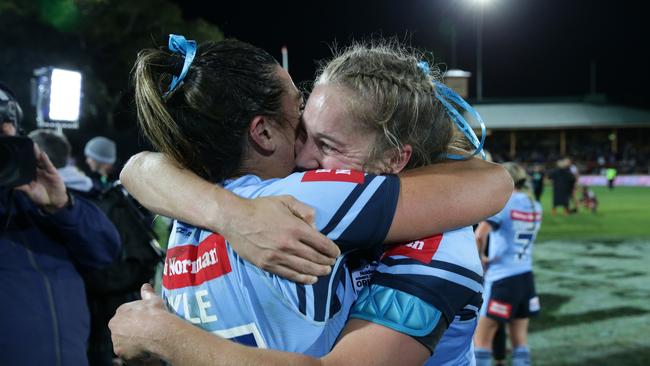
(590, 160)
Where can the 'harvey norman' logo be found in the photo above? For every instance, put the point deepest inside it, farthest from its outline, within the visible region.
(500, 309)
(191, 265)
(421, 250)
(334, 175)
(525, 216)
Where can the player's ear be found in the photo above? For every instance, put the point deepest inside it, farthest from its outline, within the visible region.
(261, 133)
(397, 160)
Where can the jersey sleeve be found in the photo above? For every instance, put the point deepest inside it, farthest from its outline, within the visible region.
(354, 209)
(429, 292)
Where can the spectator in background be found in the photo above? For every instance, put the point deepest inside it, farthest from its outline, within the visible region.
(49, 235)
(563, 181)
(611, 176)
(100, 156)
(537, 178)
(57, 147)
(573, 168)
(120, 283)
(589, 199)
(601, 163)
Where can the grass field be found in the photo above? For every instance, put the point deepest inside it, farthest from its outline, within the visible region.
(593, 276)
(623, 214)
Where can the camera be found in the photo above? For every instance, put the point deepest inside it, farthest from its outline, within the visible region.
(17, 161)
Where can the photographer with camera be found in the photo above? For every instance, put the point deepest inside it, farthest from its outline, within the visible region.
(47, 237)
(120, 282)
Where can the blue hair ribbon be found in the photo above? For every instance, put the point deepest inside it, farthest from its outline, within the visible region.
(446, 95)
(178, 44)
(424, 66)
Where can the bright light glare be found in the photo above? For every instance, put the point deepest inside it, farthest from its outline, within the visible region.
(65, 95)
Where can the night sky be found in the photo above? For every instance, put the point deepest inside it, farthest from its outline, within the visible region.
(531, 48)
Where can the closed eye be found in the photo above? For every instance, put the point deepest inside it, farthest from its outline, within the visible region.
(327, 148)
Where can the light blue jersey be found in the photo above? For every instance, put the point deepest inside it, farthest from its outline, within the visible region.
(513, 234)
(443, 271)
(456, 347)
(207, 283)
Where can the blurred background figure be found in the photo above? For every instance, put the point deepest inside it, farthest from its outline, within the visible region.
(120, 283)
(589, 199)
(100, 155)
(537, 180)
(611, 176)
(499, 349)
(509, 292)
(57, 147)
(573, 168)
(563, 182)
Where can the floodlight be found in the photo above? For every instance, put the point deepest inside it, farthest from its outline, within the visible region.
(56, 93)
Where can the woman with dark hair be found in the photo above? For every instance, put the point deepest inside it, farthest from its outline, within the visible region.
(356, 210)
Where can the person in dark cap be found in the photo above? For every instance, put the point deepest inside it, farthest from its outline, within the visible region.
(100, 156)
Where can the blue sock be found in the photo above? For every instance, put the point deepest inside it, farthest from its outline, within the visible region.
(521, 356)
(483, 356)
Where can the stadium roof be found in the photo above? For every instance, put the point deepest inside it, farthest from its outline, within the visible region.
(543, 115)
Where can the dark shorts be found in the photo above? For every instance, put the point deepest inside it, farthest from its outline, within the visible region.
(511, 298)
(560, 200)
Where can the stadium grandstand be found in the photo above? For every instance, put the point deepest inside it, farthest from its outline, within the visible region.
(592, 132)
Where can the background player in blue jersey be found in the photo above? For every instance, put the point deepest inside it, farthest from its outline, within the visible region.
(414, 207)
(509, 295)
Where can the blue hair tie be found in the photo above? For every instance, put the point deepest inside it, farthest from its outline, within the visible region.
(178, 44)
(445, 94)
(424, 66)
